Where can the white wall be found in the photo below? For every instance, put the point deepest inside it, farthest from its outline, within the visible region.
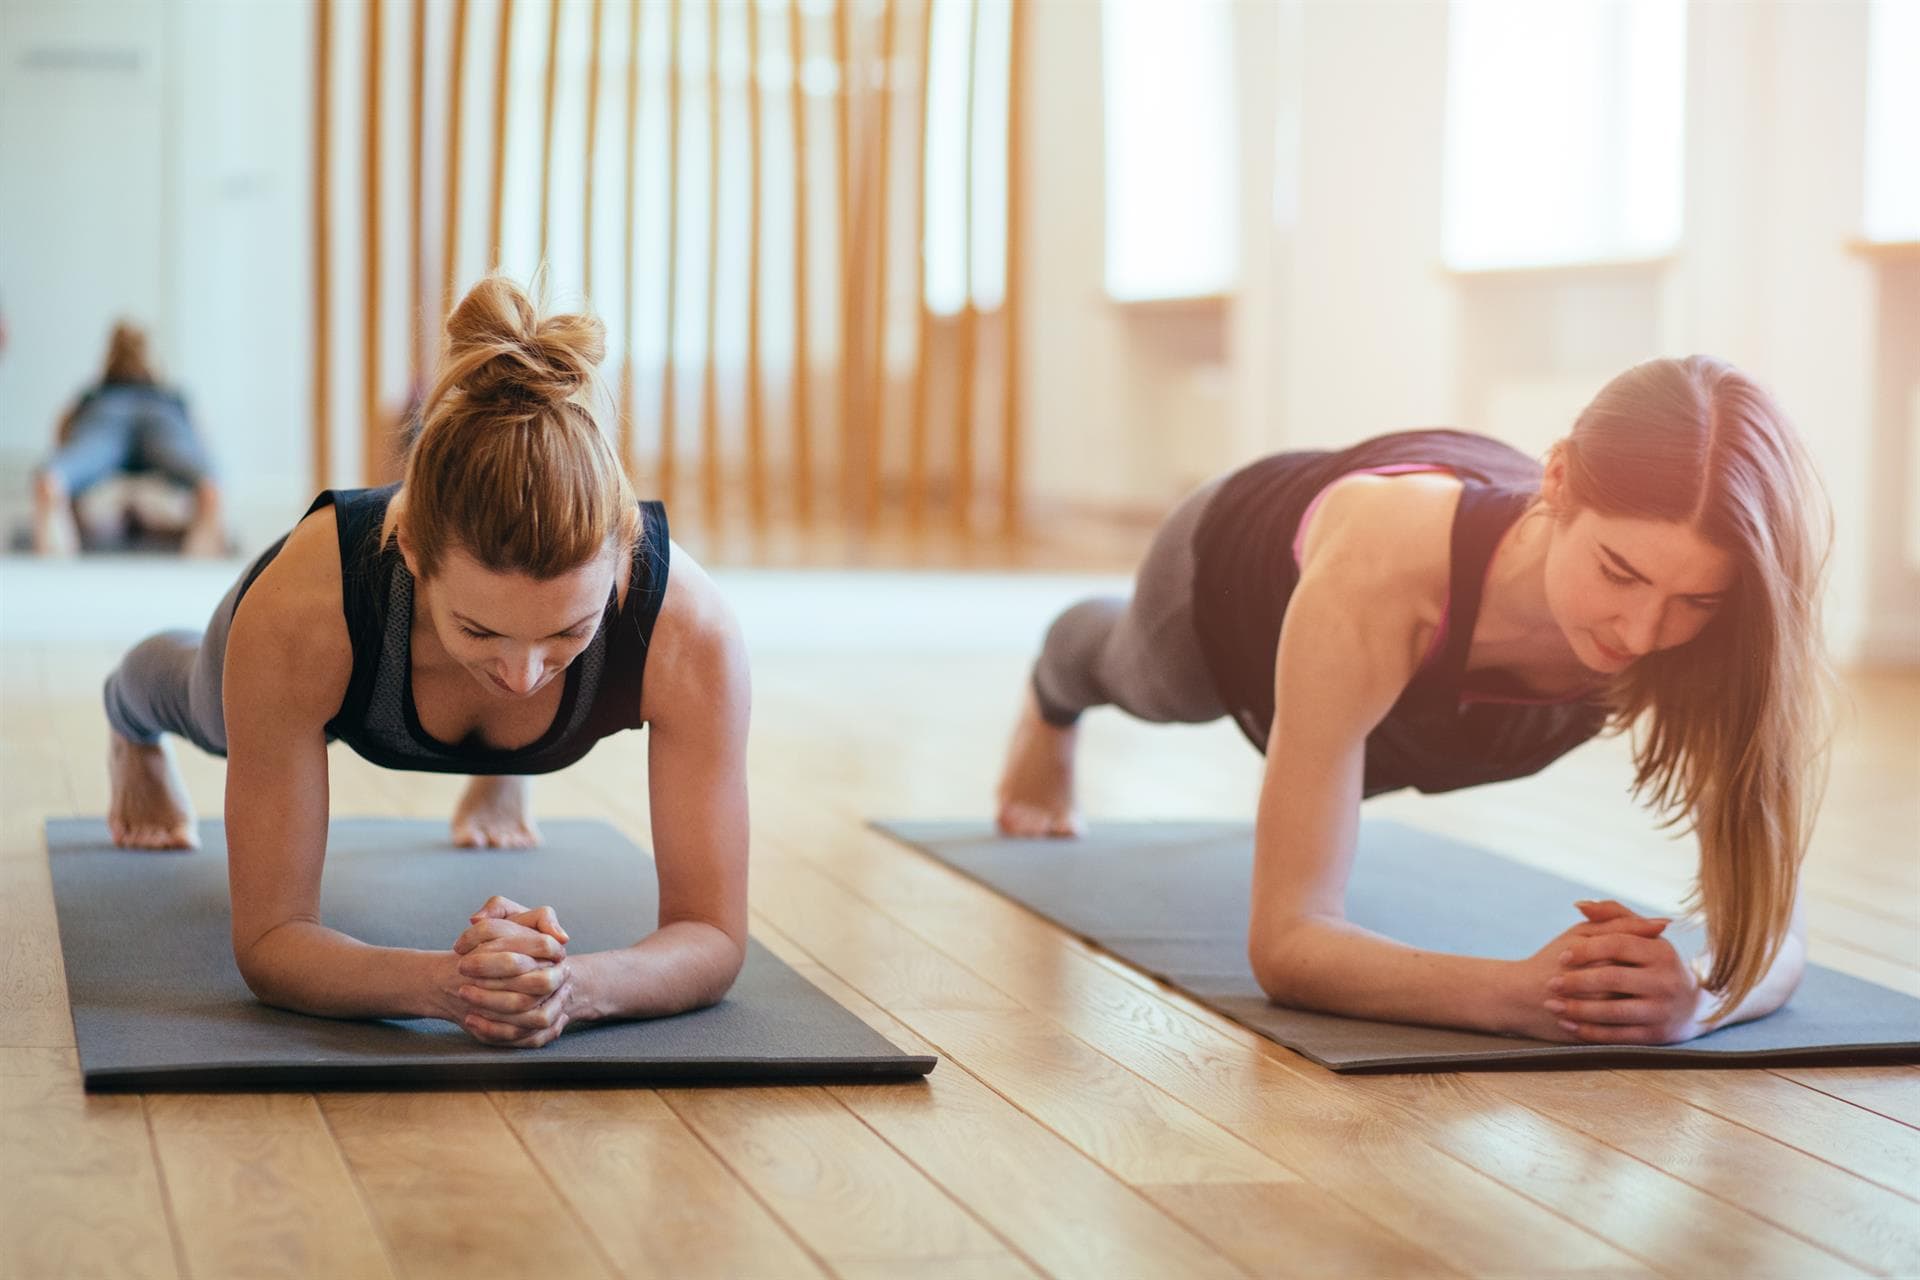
(1345, 323)
(154, 164)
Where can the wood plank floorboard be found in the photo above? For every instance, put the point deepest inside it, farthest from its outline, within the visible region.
(1084, 1121)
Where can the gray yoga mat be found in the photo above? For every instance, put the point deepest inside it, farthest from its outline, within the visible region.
(1171, 899)
(158, 1004)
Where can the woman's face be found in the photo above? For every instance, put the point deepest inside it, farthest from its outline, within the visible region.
(511, 632)
(1621, 588)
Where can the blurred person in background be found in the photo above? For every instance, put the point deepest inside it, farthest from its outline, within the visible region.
(127, 453)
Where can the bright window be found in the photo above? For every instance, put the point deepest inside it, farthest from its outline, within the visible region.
(1564, 133)
(1172, 195)
(1893, 107)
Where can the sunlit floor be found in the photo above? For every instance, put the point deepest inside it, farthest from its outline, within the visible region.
(1082, 1121)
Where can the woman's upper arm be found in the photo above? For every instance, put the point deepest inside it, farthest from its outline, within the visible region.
(287, 665)
(1348, 646)
(697, 702)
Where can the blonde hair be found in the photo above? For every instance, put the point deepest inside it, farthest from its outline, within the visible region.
(1731, 727)
(510, 465)
(127, 356)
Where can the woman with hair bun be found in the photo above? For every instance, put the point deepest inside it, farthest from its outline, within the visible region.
(1434, 609)
(496, 613)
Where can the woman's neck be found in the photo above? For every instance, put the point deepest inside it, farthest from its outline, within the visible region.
(1516, 627)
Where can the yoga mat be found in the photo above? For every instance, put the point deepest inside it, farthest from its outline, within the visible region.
(1172, 900)
(158, 1003)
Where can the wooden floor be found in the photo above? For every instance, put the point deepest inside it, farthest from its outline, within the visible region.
(1082, 1120)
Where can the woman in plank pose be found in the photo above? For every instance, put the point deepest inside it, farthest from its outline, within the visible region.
(1434, 609)
(499, 611)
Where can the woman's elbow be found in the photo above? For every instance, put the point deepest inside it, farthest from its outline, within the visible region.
(728, 958)
(1269, 954)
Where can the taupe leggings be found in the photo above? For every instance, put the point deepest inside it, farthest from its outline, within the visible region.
(1139, 654)
(170, 682)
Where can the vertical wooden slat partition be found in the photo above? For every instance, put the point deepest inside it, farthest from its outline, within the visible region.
(911, 410)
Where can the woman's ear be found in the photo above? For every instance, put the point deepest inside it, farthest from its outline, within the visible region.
(406, 551)
(395, 528)
(1553, 481)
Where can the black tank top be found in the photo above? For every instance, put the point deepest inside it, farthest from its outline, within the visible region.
(377, 718)
(1439, 735)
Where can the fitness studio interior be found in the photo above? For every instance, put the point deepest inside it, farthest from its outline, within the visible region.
(1235, 638)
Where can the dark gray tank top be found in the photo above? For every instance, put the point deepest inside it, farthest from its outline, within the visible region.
(378, 719)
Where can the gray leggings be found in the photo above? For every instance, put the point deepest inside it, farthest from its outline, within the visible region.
(170, 683)
(1140, 654)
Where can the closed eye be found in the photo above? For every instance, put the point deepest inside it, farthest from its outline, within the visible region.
(1619, 579)
(579, 634)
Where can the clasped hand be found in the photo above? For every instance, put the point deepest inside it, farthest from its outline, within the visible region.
(512, 979)
(1613, 980)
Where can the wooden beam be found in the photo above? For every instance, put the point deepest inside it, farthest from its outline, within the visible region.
(756, 390)
(450, 224)
(416, 221)
(668, 462)
(849, 290)
(969, 317)
(628, 237)
(917, 424)
(546, 127)
(593, 129)
(802, 358)
(502, 69)
(321, 458)
(876, 414)
(1011, 456)
(710, 382)
(372, 426)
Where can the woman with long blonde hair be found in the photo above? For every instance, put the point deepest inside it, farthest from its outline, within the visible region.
(1434, 609)
(499, 611)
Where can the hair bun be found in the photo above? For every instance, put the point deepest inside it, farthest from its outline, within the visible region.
(505, 353)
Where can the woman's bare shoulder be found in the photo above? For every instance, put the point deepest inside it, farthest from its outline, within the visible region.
(1394, 532)
(291, 615)
(697, 655)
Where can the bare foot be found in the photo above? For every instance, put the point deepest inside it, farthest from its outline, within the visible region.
(54, 531)
(148, 808)
(206, 536)
(204, 540)
(495, 814)
(1036, 791)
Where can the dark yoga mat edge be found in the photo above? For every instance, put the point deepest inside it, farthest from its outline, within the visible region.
(963, 845)
(506, 1074)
